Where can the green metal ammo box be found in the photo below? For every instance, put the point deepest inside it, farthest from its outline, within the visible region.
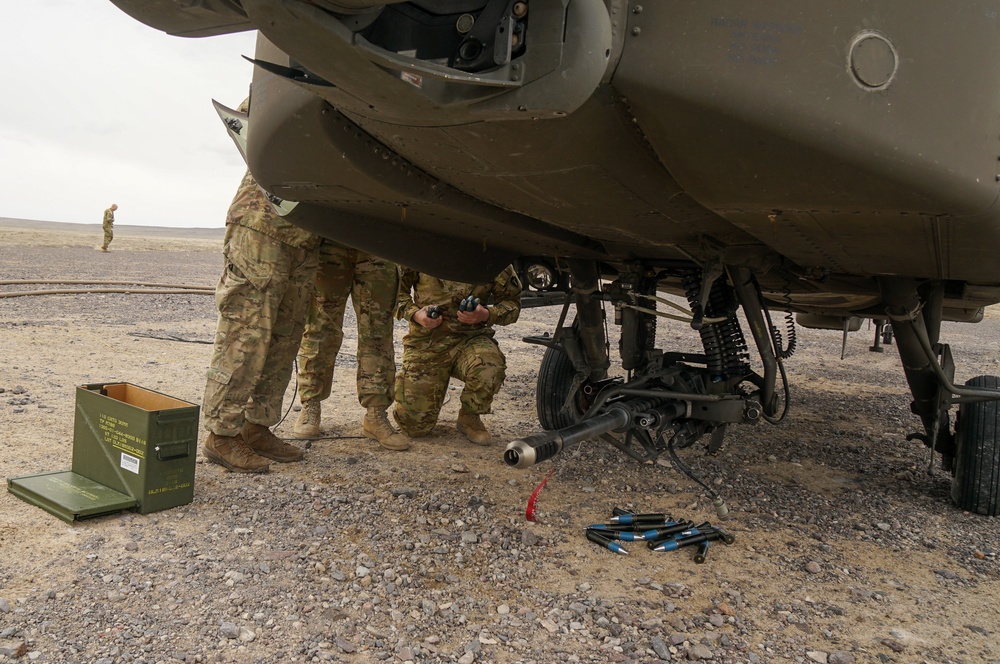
(132, 448)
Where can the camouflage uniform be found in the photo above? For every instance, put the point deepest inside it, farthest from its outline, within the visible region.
(269, 276)
(454, 349)
(371, 283)
(108, 225)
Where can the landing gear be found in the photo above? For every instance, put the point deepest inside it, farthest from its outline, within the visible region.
(976, 485)
(667, 399)
(972, 453)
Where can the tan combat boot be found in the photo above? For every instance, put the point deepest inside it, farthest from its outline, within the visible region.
(307, 425)
(470, 425)
(233, 453)
(376, 426)
(263, 442)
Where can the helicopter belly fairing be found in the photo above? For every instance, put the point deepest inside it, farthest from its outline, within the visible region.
(862, 137)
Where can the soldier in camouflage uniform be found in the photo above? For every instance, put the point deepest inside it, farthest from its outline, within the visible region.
(457, 344)
(263, 295)
(108, 225)
(371, 283)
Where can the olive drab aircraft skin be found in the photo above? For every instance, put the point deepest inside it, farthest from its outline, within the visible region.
(835, 161)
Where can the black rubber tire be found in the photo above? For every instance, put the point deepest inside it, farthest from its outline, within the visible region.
(976, 485)
(555, 378)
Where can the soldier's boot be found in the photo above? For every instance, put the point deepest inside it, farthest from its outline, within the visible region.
(233, 453)
(470, 425)
(307, 426)
(104, 248)
(376, 426)
(266, 444)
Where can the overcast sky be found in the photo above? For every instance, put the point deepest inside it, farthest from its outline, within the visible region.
(97, 108)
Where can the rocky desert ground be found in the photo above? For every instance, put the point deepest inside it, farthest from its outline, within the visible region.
(846, 549)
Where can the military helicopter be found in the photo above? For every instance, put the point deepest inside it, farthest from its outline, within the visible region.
(835, 161)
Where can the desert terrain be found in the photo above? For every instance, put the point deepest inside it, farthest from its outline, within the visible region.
(846, 549)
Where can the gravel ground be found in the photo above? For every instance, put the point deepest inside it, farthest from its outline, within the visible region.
(846, 549)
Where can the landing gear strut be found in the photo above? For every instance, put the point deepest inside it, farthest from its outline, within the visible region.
(972, 452)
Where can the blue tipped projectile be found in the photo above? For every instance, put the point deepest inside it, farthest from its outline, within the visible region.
(600, 540)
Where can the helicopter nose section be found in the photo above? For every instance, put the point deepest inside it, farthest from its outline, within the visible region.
(458, 68)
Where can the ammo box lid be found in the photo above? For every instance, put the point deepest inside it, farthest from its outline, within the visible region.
(69, 496)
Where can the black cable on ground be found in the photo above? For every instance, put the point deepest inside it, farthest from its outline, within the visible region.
(25, 282)
(145, 335)
(129, 291)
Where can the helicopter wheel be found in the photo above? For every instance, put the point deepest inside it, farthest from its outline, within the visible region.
(976, 485)
(552, 392)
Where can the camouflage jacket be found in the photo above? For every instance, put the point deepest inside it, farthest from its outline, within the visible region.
(109, 219)
(250, 208)
(417, 290)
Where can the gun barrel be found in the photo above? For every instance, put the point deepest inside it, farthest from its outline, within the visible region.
(538, 447)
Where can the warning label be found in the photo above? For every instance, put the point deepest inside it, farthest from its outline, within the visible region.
(130, 463)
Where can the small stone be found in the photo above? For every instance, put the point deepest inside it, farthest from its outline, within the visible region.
(4, 606)
(459, 468)
(818, 656)
(813, 567)
(528, 538)
(725, 609)
(131, 546)
(893, 645)
(362, 571)
(345, 645)
(229, 630)
(840, 657)
(883, 526)
(660, 648)
(247, 634)
(503, 609)
(467, 658)
(13, 648)
(717, 620)
(700, 651)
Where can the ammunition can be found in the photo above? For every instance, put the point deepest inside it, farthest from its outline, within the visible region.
(136, 441)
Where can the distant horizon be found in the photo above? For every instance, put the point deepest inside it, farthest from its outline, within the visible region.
(20, 221)
(98, 224)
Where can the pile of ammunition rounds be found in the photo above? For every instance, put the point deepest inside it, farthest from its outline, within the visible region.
(659, 531)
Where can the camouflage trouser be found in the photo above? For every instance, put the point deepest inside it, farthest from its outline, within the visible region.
(371, 284)
(108, 236)
(428, 363)
(262, 299)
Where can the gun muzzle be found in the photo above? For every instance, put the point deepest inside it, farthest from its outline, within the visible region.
(545, 445)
